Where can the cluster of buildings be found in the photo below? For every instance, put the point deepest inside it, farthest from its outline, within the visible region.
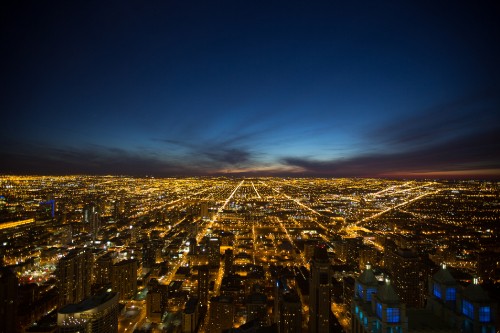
(118, 254)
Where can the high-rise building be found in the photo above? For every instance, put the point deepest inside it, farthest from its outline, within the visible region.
(156, 300)
(290, 313)
(221, 313)
(102, 269)
(97, 314)
(204, 210)
(450, 308)
(376, 308)
(8, 300)
(203, 284)
(228, 261)
(74, 276)
(214, 252)
(91, 219)
(124, 278)
(468, 310)
(319, 292)
(149, 254)
(190, 316)
(406, 277)
(256, 306)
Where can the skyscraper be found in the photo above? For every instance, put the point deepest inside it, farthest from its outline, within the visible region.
(203, 282)
(124, 278)
(290, 313)
(156, 300)
(91, 219)
(319, 292)
(74, 274)
(221, 313)
(8, 300)
(406, 276)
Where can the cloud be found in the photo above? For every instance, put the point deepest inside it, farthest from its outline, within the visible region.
(459, 138)
(441, 123)
(476, 151)
(35, 159)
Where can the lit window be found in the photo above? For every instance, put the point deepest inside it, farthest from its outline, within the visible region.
(369, 293)
(379, 310)
(393, 315)
(360, 291)
(451, 294)
(468, 309)
(437, 290)
(484, 314)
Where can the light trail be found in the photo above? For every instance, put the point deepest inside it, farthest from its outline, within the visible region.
(258, 195)
(368, 218)
(14, 224)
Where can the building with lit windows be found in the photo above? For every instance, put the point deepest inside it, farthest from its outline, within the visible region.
(97, 314)
(469, 310)
(74, 276)
(124, 278)
(190, 316)
(221, 313)
(450, 308)
(319, 292)
(290, 313)
(377, 308)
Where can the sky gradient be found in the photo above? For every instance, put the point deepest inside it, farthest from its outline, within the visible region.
(288, 88)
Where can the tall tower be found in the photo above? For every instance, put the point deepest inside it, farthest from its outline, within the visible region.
(74, 275)
(389, 311)
(8, 300)
(405, 272)
(290, 313)
(319, 292)
(91, 219)
(203, 282)
(221, 313)
(365, 286)
(124, 278)
(479, 312)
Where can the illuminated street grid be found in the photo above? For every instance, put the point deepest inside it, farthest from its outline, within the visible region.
(266, 222)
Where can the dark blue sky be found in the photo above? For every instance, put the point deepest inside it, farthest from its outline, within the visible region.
(307, 88)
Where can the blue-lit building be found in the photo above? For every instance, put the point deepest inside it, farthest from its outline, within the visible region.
(377, 307)
(469, 310)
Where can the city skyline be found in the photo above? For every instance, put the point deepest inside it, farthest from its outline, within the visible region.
(251, 89)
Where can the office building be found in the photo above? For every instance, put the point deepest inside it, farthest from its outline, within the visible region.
(290, 313)
(74, 276)
(256, 306)
(91, 219)
(156, 300)
(319, 292)
(8, 300)
(406, 274)
(124, 278)
(97, 314)
(190, 316)
(468, 310)
(203, 284)
(221, 314)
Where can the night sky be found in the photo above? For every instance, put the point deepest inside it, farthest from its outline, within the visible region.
(288, 88)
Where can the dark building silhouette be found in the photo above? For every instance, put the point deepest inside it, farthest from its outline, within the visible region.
(8, 300)
(203, 284)
(319, 292)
